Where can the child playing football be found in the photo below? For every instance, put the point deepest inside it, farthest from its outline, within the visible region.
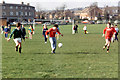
(57, 35)
(109, 33)
(30, 31)
(18, 34)
(44, 30)
(6, 30)
(52, 32)
(117, 31)
(85, 29)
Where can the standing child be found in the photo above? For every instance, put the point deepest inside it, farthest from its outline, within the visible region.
(76, 28)
(117, 31)
(30, 31)
(44, 30)
(6, 30)
(57, 35)
(18, 35)
(23, 30)
(85, 29)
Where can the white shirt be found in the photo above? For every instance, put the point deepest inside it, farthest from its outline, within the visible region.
(85, 28)
(117, 30)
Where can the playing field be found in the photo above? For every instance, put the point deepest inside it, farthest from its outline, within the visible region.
(80, 57)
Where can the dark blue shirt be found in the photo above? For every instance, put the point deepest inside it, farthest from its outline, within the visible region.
(44, 30)
(6, 29)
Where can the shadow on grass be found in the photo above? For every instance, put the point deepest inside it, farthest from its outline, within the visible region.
(68, 53)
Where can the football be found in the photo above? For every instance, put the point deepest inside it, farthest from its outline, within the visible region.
(60, 45)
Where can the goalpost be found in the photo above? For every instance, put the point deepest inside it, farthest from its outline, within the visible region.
(73, 23)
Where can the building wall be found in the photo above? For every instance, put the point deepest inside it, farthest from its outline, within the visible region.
(17, 11)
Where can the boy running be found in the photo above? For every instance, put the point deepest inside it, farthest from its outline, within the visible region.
(18, 34)
(52, 32)
(109, 33)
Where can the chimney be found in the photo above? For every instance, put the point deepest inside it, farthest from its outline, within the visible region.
(28, 4)
(3, 2)
(22, 2)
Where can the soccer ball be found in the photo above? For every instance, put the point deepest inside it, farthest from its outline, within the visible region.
(60, 45)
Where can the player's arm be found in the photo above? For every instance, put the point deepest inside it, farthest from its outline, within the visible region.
(46, 33)
(11, 34)
(104, 32)
(59, 32)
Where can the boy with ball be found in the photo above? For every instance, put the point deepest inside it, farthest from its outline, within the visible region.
(52, 31)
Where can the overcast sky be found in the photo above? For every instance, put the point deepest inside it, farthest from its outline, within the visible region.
(52, 4)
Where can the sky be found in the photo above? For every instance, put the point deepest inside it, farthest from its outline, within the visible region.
(53, 4)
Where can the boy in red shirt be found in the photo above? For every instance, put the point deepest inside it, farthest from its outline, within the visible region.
(52, 39)
(109, 33)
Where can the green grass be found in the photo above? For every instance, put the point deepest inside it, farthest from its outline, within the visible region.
(80, 57)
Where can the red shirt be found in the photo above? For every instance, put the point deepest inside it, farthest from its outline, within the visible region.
(109, 32)
(52, 32)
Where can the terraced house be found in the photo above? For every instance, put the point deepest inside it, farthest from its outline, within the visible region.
(16, 12)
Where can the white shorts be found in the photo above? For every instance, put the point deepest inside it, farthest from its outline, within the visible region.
(17, 41)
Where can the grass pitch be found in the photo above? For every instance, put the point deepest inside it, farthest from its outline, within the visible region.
(80, 57)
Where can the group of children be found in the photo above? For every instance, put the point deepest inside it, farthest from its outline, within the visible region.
(5, 30)
(20, 32)
(75, 29)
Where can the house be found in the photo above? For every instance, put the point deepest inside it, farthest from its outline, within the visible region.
(17, 12)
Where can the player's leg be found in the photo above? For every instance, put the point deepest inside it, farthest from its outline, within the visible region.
(116, 38)
(20, 47)
(85, 31)
(106, 43)
(45, 38)
(51, 42)
(17, 44)
(108, 46)
(54, 44)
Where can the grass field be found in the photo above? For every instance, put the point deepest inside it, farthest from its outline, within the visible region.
(80, 57)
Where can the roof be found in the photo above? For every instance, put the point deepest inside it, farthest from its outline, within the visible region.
(88, 9)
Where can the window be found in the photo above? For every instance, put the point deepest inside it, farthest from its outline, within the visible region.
(4, 13)
(25, 13)
(21, 13)
(29, 13)
(25, 7)
(11, 7)
(3, 7)
(17, 13)
(11, 13)
(16, 7)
